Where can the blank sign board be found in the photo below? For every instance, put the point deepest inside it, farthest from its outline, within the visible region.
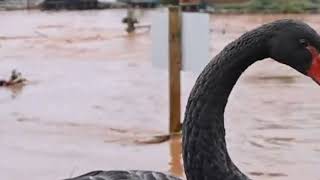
(195, 41)
(160, 39)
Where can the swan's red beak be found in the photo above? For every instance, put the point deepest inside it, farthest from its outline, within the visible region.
(314, 70)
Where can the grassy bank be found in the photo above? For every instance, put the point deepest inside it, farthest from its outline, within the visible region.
(270, 6)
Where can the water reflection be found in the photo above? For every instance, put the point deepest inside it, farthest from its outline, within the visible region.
(175, 163)
(14, 90)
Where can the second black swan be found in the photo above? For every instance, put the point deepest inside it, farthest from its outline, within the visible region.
(205, 154)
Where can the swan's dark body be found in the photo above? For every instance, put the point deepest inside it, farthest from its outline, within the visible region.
(204, 147)
(125, 175)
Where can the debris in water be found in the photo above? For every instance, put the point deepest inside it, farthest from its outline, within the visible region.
(158, 139)
(15, 78)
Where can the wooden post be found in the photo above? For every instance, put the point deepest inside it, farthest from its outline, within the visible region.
(28, 4)
(130, 20)
(174, 68)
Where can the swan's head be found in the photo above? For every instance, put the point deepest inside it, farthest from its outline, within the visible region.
(296, 44)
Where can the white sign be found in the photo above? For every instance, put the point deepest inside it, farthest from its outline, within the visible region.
(195, 41)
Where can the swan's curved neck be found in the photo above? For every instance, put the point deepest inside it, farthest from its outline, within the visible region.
(204, 148)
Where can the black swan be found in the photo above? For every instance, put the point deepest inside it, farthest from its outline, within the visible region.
(205, 154)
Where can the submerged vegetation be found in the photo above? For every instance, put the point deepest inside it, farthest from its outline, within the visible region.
(271, 6)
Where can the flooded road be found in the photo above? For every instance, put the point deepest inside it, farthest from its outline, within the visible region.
(93, 100)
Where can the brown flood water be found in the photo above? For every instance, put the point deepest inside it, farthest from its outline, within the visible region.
(93, 97)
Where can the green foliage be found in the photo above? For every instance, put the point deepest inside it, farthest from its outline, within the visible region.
(274, 6)
(169, 2)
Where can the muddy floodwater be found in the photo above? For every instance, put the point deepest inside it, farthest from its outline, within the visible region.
(93, 100)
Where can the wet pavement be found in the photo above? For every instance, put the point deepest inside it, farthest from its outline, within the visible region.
(93, 100)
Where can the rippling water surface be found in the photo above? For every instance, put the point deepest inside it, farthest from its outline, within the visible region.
(94, 100)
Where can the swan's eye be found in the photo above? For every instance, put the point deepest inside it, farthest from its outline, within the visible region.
(303, 42)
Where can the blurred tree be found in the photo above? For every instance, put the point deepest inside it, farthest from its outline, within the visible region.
(170, 2)
(270, 6)
(285, 6)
